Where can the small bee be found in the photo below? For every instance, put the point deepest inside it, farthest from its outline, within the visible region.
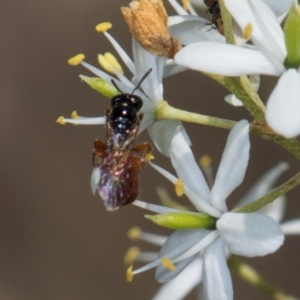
(215, 11)
(116, 168)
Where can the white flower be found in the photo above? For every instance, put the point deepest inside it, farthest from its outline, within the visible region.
(242, 234)
(191, 276)
(151, 90)
(268, 58)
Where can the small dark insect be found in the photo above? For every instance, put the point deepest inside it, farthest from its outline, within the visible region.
(116, 168)
(215, 11)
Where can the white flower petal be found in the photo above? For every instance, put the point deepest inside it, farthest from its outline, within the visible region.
(279, 7)
(291, 227)
(272, 37)
(255, 81)
(180, 286)
(195, 31)
(177, 19)
(171, 68)
(176, 244)
(276, 209)
(186, 166)
(233, 165)
(251, 234)
(200, 204)
(144, 60)
(233, 100)
(207, 240)
(162, 133)
(224, 59)
(283, 107)
(266, 31)
(217, 282)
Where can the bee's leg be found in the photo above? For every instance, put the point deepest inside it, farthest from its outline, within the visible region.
(141, 115)
(143, 147)
(98, 152)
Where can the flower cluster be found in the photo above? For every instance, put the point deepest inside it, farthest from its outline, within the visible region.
(243, 41)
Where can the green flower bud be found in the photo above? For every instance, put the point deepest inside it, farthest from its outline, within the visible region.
(292, 38)
(183, 220)
(101, 86)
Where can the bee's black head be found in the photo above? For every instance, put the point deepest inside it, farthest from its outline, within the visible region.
(124, 111)
(127, 100)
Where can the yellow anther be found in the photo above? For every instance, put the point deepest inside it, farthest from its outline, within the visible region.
(103, 26)
(113, 61)
(205, 161)
(131, 255)
(179, 187)
(134, 233)
(76, 60)
(129, 274)
(168, 264)
(109, 63)
(247, 31)
(149, 157)
(185, 4)
(74, 115)
(61, 120)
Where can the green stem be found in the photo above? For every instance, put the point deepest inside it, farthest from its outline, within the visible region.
(227, 23)
(165, 111)
(271, 196)
(251, 276)
(240, 86)
(243, 90)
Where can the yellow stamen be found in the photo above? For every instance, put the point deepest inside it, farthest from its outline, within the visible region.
(131, 255)
(149, 157)
(247, 31)
(168, 264)
(205, 161)
(74, 115)
(61, 120)
(134, 233)
(109, 63)
(129, 274)
(76, 60)
(103, 26)
(179, 187)
(185, 4)
(113, 61)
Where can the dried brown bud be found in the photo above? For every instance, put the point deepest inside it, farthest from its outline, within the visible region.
(147, 21)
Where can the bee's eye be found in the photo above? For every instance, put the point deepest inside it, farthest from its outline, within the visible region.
(136, 101)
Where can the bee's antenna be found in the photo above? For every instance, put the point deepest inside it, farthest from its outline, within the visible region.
(142, 79)
(115, 85)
